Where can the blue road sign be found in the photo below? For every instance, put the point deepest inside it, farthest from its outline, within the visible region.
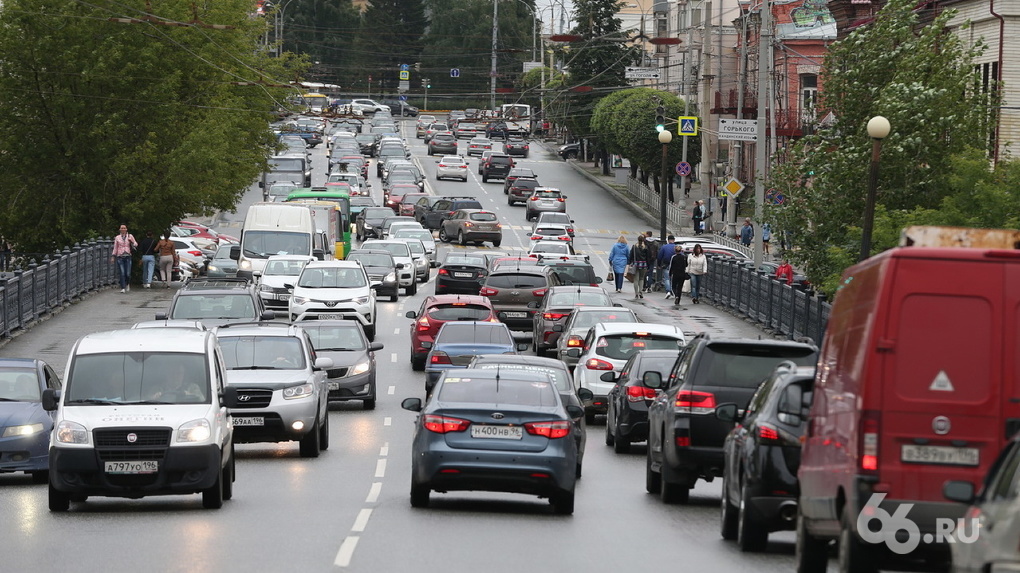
(683, 169)
(402, 97)
(687, 125)
(405, 67)
(455, 72)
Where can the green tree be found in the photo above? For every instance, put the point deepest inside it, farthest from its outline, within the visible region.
(922, 80)
(325, 31)
(138, 123)
(390, 35)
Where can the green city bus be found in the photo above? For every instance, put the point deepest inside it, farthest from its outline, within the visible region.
(343, 203)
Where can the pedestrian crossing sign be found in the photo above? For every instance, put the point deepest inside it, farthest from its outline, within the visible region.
(687, 126)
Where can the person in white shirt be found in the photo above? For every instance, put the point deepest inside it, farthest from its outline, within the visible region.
(697, 267)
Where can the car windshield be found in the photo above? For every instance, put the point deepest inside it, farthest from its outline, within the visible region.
(19, 385)
(377, 212)
(371, 260)
(560, 376)
(485, 333)
(550, 247)
(622, 346)
(579, 298)
(213, 306)
(416, 248)
(395, 249)
(336, 337)
(746, 366)
(223, 252)
(263, 244)
(516, 281)
(137, 377)
(332, 277)
(547, 194)
(290, 268)
(483, 217)
(491, 391)
(420, 234)
(590, 319)
(469, 261)
(459, 311)
(262, 353)
(558, 218)
(550, 231)
(287, 164)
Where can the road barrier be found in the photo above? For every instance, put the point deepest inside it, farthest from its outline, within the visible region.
(42, 283)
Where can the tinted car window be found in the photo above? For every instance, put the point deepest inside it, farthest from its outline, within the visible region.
(468, 333)
(321, 277)
(335, 337)
(499, 160)
(575, 298)
(590, 319)
(377, 212)
(370, 260)
(473, 261)
(270, 352)
(622, 346)
(395, 249)
(199, 306)
(516, 281)
(742, 367)
(448, 312)
(483, 217)
(531, 393)
(560, 377)
(525, 183)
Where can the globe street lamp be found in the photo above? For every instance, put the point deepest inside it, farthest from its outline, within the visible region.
(878, 129)
(665, 136)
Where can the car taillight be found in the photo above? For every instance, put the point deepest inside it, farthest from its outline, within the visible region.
(499, 225)
(537, 237)
(488, 291)
(574, 341)
(640, 393)
(869, 432)
(552, 430)
(767, 434)
(564, 237)
(462, 166)
(442, 272)
(597, 364)
(561, 199)
(469, 224)
(444, 424)
(423, 324)
(534, 198)
(553, 315)
(693, 402)
(539, 292)
(442, 165)
(195, 253)
(440, 357)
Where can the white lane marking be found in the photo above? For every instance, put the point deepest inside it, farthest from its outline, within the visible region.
(391, 390)
(396, 330)
(362, 520)
(385, 450)
(380, 468)
(343, 556)
(387, 421)
(393, 357)
(373, 493)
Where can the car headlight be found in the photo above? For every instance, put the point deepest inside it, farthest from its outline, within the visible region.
(244, 265)
(194, 431)
(362, 300)
(392, 277)
(295, 392)
(368, 226)
(25, 430)
(299, 300)
(360, 368)
(72, 433)
(212, 268)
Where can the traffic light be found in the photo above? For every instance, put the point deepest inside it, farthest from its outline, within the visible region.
(660, 118)
(417, 66)
(423, 82)
(428, 83)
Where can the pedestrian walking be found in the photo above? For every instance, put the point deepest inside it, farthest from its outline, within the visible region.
(766, 236)
(746, 233)
(5, 254)
(698, 217)
(147, 247)
(678, 272)
(784, 272)
(123, 245)
(618, 256)
(167, 254)
(653, 252)
(666, 253)
(638, 260)
(697, 268)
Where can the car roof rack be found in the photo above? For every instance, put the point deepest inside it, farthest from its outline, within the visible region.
(273, 323)
(224, 282)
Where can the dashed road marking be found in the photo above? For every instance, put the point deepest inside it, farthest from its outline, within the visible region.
(391, 390)
(380, 468)
(373, 493)
(387, 421)
(393, 357)
(396, 331)
(362, 520)
(384, 450)
(343, 556)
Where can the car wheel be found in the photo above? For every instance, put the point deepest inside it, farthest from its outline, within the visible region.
(309, 445)
(228, 483)
(212, 497)
(324, 432)
(621, 445)
(59, 501)
(460, 238)
(368, 404)
(417, 365)
(672, 492)
(563, 502)
(370, 332)
(526, 154)
(853, 555)
(570, 155)
(41, 477)
(393, 297)
(413, 289)
(610, 439)
(359, 236)
(420, 494)
(811, 555)
(443, 236)
(751, 533)
(485, 178)
(509, 201)
(589, 417)
(496, 244)
(464, 180)
(728, 521)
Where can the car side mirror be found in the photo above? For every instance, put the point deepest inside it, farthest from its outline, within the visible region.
(533, 304)
(574, 352)
(400, 265)
(268, 315)
(412, 404)
(557, 328)
(585, 395)
(323, 363)
(411, 314)
(426, 344)
(161, 316)
(575, 411)
(256, 274)
(598, 280)
(652, 379)
(230, 397)
(50, 398)
(959, 491)
(609, 377)
(523, 346)
(235, 252)
(375, 346)
(727, 412)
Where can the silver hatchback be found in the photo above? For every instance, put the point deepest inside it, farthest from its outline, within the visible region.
(544, 199)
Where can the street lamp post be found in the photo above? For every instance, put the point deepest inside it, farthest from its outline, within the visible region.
(878, 129)
(665, 136)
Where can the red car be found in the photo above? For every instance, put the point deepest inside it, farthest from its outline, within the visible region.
(439, 309)
(395, 196)
(406, 206)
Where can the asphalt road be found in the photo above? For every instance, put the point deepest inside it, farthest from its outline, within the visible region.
(348, 510)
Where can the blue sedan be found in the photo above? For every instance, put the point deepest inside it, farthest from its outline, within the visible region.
(458, 342)
(494, 430)
(24, 425)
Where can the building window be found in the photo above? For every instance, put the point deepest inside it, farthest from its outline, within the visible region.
(808, 94)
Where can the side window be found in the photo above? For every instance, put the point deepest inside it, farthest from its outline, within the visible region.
(52, 381)
(1004, 482)
(680, 369)
(218, 371)
(760, 397)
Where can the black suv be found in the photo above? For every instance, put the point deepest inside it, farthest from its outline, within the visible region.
(443, 209)
(215, 302)
(762, 456)
(512, 289)
(497, 166)
(685, 438)
(514, 174)
(368, 223)
(570, 271)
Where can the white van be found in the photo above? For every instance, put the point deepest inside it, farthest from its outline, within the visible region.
(143, 412)
(277, 229)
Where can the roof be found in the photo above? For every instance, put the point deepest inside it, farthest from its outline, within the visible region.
(452, 298)
(189, 340)
(604, 328)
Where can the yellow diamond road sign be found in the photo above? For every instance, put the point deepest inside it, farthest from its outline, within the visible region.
(733, 187)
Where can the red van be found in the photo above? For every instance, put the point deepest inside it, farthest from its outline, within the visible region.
(918, 383)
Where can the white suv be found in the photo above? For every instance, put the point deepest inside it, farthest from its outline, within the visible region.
(334, 290)
(368, 105)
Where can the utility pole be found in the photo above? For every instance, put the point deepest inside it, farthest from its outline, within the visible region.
(688, 58)
(707, 148)
(492, 71)
(761, 145)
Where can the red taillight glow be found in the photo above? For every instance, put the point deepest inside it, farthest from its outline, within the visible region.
(440, 357)
(564, 237)
(442, 272)
(488, 291)
(597, 364)
(869, 432)
(423, 324)
(553, 315)
(561, 199)
(195, 253)
(551, 430)
(466, 224)
(693, 402)
(574, 341)
(539, 292)
(767, 433)
(640, 393)
(534, 198)
(683, 441)
(443, 424)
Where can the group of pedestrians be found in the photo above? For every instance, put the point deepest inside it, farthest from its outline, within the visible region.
(125, 246)
(634, 263)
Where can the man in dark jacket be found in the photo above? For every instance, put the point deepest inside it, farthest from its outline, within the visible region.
(665, 253)
(678, 273)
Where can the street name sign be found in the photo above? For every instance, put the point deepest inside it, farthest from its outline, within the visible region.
(633, 73)
(738, 129)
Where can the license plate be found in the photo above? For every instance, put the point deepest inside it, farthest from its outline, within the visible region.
(331, 316)
(140, 467)
(462, 275)
(497, 432)
(334, 385)
(249, 421)
(940, 455)
(515, 315)
(283, 296)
